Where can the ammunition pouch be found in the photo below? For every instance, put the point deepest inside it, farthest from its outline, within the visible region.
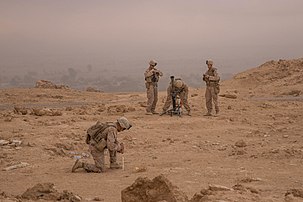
(217, 89)
(147, 85)
(101, 145)
(148, 79)
(155, 78)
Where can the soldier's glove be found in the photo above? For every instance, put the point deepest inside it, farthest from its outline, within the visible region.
(87, 140)
(121, 148)
(205, 77)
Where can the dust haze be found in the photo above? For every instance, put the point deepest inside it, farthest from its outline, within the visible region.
(107, 44)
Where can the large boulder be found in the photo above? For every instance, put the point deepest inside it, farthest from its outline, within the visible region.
(158, 189)
(46, 191)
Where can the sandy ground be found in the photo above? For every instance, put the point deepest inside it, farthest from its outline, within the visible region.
(257, 141)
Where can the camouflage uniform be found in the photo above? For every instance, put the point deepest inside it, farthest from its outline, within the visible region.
(151, 82)
(103, 136)
(112, 145)
(212, 79)
(182, 91)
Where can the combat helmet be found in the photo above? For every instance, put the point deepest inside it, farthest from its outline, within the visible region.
(153, 63)
(178, 83)
(124, 123)
(209, 61)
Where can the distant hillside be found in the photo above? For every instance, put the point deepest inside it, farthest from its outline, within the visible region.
(283, 77)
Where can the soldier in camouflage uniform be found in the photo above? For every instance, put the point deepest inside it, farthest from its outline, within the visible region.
(211, 79)
(152, 76)
(180, 89)
(103, 136)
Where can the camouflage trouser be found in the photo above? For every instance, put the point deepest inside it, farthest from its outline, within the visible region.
(169, 101)
(98, 157)
(112, 156)
(152, 97)
(211, 96)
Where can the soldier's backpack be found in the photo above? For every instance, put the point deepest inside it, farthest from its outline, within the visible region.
(95, 132)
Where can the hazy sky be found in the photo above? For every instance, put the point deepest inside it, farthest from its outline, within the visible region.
(62, 32)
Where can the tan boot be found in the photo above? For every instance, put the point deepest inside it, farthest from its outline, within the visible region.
(77, 165)
(115, 165)
(188, 113)
(207, 114)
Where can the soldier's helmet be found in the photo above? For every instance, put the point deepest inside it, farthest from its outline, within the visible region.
(124, 123)
(153, 63)
(178, 83)
(210, 62)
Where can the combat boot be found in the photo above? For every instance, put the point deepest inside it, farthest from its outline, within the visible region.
(207, 114)
(77, 165)
(148, 113)
(115, 165)
(188, 113)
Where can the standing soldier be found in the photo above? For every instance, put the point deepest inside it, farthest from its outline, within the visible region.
(211, 79)
(152, 76)
(177, 88)
(103, 136)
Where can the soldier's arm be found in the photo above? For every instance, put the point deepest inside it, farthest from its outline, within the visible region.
(215, 77)
(148, 73)
(169, 90)
(185, 88)
(160, 73)
(205, 76)
(112, 142)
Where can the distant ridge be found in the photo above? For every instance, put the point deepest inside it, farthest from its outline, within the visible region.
(273, 77)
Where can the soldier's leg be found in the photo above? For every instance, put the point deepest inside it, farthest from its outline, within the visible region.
(167, 103)
(98, 157)
(155, 92)
(113, 160)
(208, 100)
(216, 102)
(184, 101)
(150, 98)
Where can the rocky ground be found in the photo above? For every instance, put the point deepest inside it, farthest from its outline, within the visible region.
(253, 151)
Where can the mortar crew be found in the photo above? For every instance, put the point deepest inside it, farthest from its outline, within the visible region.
(180, 88)
(152, 76)
(211, 79)
(103, 136)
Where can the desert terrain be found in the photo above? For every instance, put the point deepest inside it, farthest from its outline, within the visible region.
(253, 150)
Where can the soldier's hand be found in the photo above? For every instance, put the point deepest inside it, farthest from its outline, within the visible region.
(121, 148)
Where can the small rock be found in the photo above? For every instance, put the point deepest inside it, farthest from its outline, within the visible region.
(4, 142)
(20, 165)
(231, 96)
(98, 199)
(219, 188)
(140, 169)
(240, 143)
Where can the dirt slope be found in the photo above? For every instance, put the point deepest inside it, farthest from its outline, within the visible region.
(254, 147)
(283, 77)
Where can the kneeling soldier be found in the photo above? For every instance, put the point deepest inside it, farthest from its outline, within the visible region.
(178, 88)
(103, 136)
